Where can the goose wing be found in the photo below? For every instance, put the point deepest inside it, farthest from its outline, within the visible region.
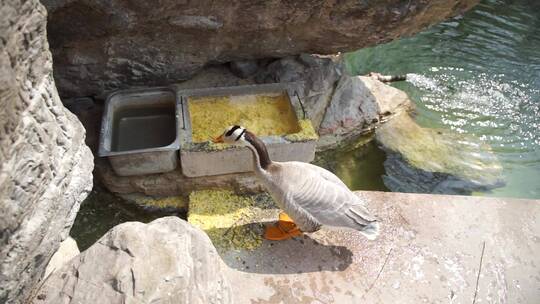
(325, 197)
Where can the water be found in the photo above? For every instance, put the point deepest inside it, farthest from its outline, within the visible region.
(477, 74)
(143, 127)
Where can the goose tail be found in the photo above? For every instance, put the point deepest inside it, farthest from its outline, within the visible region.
(364, 222)
(371, 231)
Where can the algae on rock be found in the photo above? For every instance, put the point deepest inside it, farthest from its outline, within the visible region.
(432, 151)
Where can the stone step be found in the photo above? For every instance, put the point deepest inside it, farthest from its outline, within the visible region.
(432, 249)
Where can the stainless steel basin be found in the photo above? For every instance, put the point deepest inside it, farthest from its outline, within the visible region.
(139, 131)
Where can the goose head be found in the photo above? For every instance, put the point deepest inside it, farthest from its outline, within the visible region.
(237, 135)
(233, 135)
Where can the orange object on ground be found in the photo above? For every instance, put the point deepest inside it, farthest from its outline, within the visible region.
(284, 229)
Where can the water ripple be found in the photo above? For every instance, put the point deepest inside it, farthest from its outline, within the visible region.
(477, 74)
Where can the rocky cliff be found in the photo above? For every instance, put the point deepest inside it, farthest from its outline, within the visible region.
(102, 45)
(45, 168)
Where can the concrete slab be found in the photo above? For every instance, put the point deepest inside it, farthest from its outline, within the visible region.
(432, 249)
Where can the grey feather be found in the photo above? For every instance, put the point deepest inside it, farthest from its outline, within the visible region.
(313, 196)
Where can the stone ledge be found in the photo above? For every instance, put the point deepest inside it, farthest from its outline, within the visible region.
(429, 251)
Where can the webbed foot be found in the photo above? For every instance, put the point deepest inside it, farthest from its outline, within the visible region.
(284, 229)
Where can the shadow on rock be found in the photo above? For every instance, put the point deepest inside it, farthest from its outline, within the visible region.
(302, 254)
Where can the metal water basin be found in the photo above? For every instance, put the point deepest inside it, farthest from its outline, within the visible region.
(139, 131)
(200, 157)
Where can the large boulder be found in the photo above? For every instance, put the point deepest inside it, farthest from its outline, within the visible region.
(102, 45)
(424, 160)
(68, 250)
(316, 75)
(45, 168)
(165, 261)
(358, 105)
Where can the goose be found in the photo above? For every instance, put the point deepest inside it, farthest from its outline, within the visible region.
(310, 196)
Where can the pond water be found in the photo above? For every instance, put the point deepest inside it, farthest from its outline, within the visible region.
(477, 74)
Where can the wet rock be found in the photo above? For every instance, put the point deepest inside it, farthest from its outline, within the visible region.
(99, 46)
(244, 68)
(426, 160)
(358, 105)
(45, 168)
(165, 261)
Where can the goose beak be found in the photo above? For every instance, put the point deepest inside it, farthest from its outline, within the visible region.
(218, 139)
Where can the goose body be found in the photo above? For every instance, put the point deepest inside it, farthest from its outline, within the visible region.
(310, 195)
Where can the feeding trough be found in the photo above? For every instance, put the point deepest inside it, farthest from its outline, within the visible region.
(273, 111)
(139, 132)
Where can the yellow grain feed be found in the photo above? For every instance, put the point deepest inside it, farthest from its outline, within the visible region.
(223, 215)
(269, 114)
(163, 202)
(307, 132)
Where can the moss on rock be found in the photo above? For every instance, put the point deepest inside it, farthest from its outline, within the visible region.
(441, 151)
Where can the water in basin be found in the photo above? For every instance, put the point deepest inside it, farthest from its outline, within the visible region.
(137, 128)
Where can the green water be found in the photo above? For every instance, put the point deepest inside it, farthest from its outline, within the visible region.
(359, 165)
(476, 74)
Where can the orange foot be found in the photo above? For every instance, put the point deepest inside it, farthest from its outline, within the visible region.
(285, 229)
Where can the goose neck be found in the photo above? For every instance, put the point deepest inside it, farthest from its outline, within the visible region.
(259, 151)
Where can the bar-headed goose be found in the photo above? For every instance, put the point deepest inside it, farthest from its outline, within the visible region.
(311, 195)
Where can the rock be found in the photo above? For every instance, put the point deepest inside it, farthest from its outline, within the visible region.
(45, 168)
(99, 46)
(423, 160)
(358, 105)
(214, 76)
(317, 74)
(173, 183)
(90, 114)
(244, 68)
(429, 251)
(165, 261)
(68, 249)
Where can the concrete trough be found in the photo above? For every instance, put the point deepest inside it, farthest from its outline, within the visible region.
(139, 131)
(206, 159)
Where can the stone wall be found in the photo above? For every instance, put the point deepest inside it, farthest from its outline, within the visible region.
(102, 45)
(45, 168)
